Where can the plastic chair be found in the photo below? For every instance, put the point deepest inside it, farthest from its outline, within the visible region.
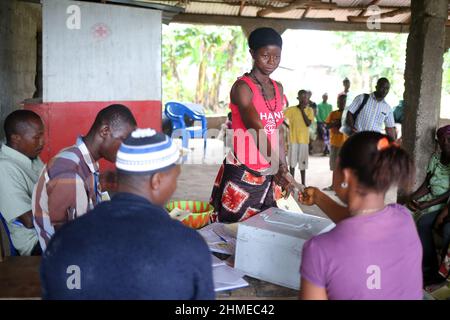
(177, 112)
(12, 250)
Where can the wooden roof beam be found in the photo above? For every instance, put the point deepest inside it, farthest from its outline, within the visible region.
(296, 4)
(389, 14)
(305, 13)
(241, 7)
(372, 3)
(306, 24)
(307, 3)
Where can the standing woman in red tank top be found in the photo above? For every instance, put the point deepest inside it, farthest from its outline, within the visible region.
(255, 172)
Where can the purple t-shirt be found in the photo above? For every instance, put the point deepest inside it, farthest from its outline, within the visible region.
(374, 256)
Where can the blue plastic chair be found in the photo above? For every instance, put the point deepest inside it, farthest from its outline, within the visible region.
(177, 111)
(13, 251)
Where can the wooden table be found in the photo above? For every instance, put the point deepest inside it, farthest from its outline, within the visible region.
(259, 290)
(19, 278)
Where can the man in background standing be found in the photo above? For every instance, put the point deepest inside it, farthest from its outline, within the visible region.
(369, 112)
(337, 139)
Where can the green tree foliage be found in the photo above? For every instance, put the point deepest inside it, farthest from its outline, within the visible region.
(383, 55)
(445, 97)
(200, 63)
(376, 55)
(446, 75)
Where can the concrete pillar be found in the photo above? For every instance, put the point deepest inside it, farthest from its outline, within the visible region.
(19, 22)
(447, 40)
(423, 80)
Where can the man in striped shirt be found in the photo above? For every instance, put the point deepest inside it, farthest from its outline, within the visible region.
(69, 185)
(374, 113)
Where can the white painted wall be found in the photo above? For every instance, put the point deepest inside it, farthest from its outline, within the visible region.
(80, 66)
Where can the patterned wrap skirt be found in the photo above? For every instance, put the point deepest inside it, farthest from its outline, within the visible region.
(240, 193)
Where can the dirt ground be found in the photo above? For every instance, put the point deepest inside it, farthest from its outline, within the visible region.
(198, 173)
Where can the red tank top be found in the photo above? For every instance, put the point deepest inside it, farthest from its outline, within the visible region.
(245, 148)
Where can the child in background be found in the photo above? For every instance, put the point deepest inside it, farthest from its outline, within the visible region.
(337, 139)
(374, 252)
(299, 119)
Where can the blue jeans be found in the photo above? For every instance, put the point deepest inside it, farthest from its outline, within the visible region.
(430, 264)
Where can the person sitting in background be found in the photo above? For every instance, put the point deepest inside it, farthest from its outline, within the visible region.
(323, 110)
(433, 193)
(437, 221)
(374, 252)
(444, 269)
(69, 185)
(130, 247)
(399, 112)
(20, 167)
(337, 139)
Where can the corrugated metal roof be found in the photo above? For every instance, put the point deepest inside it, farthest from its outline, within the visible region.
(364, 3)
(338, 15)
(212, 8)
(339, 10)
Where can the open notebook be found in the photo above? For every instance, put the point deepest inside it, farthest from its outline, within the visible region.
(226, 277)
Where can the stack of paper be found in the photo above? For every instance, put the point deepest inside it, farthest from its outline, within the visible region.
(218, 239)
(227, 278)
(217, 262)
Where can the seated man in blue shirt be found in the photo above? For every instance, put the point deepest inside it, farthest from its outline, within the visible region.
(129, 247)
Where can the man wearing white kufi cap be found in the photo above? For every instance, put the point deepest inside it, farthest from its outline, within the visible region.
(129, 247)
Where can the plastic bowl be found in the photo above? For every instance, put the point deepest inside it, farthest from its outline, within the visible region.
(201, 211)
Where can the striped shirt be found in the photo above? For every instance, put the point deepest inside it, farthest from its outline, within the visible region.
(373, 115)
(66, 189)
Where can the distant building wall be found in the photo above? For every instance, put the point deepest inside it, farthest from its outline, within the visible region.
(114, 55)
(95, 55)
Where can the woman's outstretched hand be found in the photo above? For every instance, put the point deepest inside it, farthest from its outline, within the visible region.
(307, 197)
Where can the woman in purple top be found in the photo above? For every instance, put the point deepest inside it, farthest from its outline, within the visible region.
(374, 251)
